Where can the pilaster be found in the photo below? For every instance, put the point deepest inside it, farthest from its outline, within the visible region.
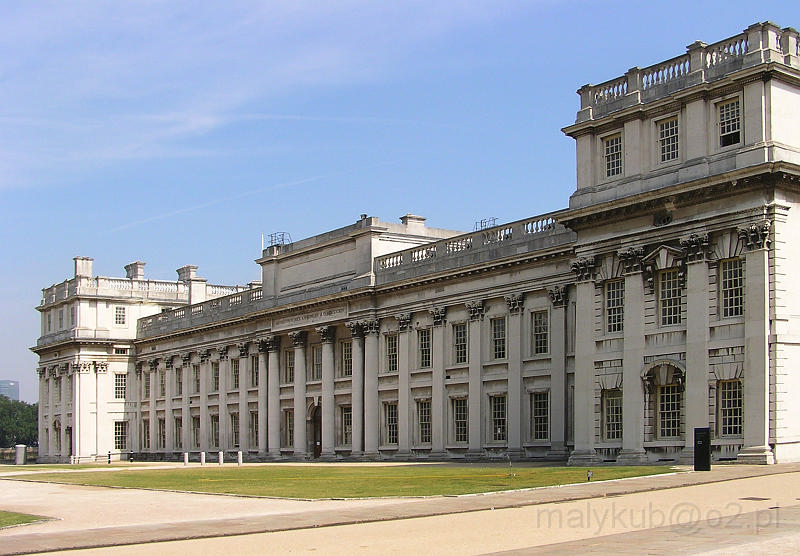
(300, 414)
(357, 386)
(516, 304)
(558, 372)
(476, 311)
(371, 407)
(327, 333)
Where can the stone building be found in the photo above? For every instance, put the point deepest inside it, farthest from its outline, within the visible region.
(657, 302)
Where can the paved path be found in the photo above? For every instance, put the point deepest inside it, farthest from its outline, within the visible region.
(675, 513)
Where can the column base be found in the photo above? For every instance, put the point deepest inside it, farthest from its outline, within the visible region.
(631, 457)
(756, 455)
(474, 455)
(582, 458)
(330, 456)
(372, 456)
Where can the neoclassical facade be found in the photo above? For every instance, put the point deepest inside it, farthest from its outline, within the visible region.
(659, 301)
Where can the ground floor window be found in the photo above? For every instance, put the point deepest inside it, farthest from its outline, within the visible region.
(390, 423)
(669, 411)
(213, 439)
(179, 433)
(729, 407)
(253, 429)
(611, 402)
(145, 434)
(195, 432)
(288, 428)
(497, 407)
(424, 421)
(235, 429)
(162, 434)
(120, 435)
(540, 416)
(460, 420)
(347, 425)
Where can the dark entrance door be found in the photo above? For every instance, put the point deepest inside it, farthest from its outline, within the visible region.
(316, 420)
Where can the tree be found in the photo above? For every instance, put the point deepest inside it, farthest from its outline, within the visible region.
(19, 423)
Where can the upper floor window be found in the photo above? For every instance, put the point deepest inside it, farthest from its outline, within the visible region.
(729, 123)
(316, 367)
(119, 315)
(214, 377)
(72, 316)
(234, 374)
(612, 155)
(120, 386)
(254, 371)
(460, 351)
(424, 339)
(60, 318)
(732, 288)
(669, 289)
(391, 353)
(347, 358)
(498, 338)
(668, 139)
(541, 332)
(615, 297)
(288, 366)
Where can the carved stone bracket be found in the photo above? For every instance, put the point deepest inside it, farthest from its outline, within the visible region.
(439, 315)
(403, 320)
(298, 338)
(476, 309)
(585, 269)
(327, 334)
(696, 247)
(244, 349)
(269, 343)
(371, 326)
(515, 302)
(756, 236)
(205, 355)
(558, 296)
(631, 259)
(356, 328)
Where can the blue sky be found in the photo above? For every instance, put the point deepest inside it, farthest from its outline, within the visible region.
(178, 132)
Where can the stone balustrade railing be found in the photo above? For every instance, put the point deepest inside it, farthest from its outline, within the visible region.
(762, 42)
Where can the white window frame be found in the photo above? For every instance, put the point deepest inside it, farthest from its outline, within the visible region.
(668, 139)
(729, 127)
(613, 155)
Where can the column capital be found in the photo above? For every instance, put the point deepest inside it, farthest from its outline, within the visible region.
(186, 358)
(244, 348)
(327, 333)
(756, 235)
(558, 295)
(153, 364)
(515, 302)
(403, 320)
(371, 326)
(439, 315)
(205, 355)
(298, 338)
(139, 367)
(696, 247)
(100, 366)
(65, 367)
(356, 328)
(270, 343)
(223, 353)
(476, 309)
(168, 361)
(631, 259)
(585, 269)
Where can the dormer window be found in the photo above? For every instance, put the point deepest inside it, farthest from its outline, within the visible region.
(612, 154)
(729, 123)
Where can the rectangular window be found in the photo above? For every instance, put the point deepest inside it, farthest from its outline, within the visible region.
(179, 381)
(57, 387)
(120, 351)
(69, 388)
(732, 288)
(162, 434)
(424, 343)
(460, 347)
(668, 139)
(49, 321)
(120, 386)
(253, 429)
(254, 371)
(497, 406)
(390, 423)
(729, 408)
(162, 384)
(195, 432)
(120, 435)
(288, 367)
(460, 420)
(612, 155)
(347, 425)
(391, 353)
(669, 297)
(119, 315)
(235, 429)
(60, 318)
(196, 379)
(615, 308)
(540, 415)
(347, 358)
(214, 376)
(288, 428)
(729, 123)
(669, 411)
(213, 439)
(146, 434)
(234, 374)
(612, 414)
(498, 338)
(424, 421)
(540, 325)
(316, 367)
(146, 385)
(178, 424)
(72, 316)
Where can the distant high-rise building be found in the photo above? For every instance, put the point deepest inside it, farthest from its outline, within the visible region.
(9, 389)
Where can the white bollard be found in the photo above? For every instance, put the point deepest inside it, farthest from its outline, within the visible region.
(239, 457)
(219, 456)
(186, 458)
(202, 458)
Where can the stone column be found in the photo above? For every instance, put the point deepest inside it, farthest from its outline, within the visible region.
(328, 335)
(584, 453)
(205, 420)
(169, 378)
(153, 378)
(186, 415)
(222, 399)
(269, 348)
(633, 452)
(135, 388)
(371, 406)
(558, 372)
(244, 389)
(62, 385)
(300, 445)
(41, 422)
(438, 405)
(516, 305)
(405, 361)
(756, 385)
(475, 416)
(357, 387)
(697, 338)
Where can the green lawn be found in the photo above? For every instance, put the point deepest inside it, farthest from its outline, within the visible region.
(332, 481)
(7, 519)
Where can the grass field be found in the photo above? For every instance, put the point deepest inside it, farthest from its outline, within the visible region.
(7, 519)
(331, 481)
